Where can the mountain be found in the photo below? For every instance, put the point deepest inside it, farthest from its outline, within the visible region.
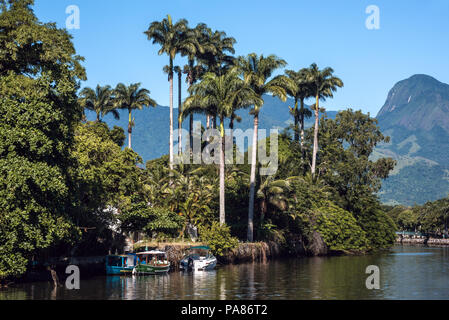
(416, 117)
(151, 132)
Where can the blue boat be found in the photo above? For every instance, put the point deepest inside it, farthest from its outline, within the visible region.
(121, 264)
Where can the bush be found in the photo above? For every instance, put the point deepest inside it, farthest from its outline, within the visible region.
(380, 229)
(339, 229)
(140, 217)
(219, 238)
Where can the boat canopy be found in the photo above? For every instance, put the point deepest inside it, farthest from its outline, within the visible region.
(200, 247)
(152, 252)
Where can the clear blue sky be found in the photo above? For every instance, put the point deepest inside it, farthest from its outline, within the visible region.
(413, 38)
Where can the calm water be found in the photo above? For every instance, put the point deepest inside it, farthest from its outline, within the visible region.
(405, 273)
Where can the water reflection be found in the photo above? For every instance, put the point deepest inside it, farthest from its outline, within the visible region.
(405, 273)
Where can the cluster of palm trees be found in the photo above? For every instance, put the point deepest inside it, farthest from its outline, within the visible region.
(103, 100)
(219, 85)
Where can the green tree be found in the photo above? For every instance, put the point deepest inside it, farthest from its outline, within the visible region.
(132, 98)
(223, 94)
(168, 36)
(100, 100)
(39, 76)
(300, 91)
(257, 71)
(323, 84)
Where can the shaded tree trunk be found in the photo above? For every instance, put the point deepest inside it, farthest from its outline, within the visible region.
(252, 187)
(222, 173)
(179, 116)
(130, 129)
(170, 77)
(301, 121)
(315, 135)
(296, 115)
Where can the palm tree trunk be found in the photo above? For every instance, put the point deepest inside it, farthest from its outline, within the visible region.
(179, 116)
(191, 136)
(208, 121)
(222, 173)
(130, 129)
(252, 186)
(263, 210)
(301, 113)
(191, 123)
(315, 135)
(296, 121)
(171, 121)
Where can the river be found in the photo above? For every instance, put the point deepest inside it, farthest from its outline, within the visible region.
(406, 272)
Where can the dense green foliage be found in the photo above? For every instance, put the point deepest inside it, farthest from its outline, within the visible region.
(39, 74)
(339, 229)
(218, 237)
(431, 218)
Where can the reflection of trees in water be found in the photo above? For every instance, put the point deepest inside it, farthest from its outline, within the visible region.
(340, 277)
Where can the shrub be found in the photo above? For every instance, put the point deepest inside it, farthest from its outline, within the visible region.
(218, 237)
(380, 229)
(339, 229)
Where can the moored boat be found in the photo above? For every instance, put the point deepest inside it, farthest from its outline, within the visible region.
(121, 264)
(199, 258)
(152, 262)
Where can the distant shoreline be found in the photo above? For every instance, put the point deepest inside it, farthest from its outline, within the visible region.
(426, 242)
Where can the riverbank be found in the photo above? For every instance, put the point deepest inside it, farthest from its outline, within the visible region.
(423, 241)
(245, 252)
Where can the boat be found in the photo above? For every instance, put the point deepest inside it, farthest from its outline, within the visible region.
(121, 264)
(152, 262)
(199, 259)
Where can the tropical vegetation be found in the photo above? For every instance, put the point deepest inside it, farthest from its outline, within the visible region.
(69, 187)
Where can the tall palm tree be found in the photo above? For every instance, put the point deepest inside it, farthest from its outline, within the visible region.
(301, 91)
(225, 93)
(323, 84)
(168, 35)
(215, 56)
(257, 71)
(192, 45)
(99, 100)
(132, 98)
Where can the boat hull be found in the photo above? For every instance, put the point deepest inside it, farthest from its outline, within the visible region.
(199, 265)
(150, 269)
(110, 270)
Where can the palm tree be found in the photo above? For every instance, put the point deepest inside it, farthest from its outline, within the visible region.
(224, 94)
(301, 91)
(214, 56)
(191, 46)
(323, 84)
(99, 100)
(168, 36)
(132, 98)
(257, 71)
(272, 192)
